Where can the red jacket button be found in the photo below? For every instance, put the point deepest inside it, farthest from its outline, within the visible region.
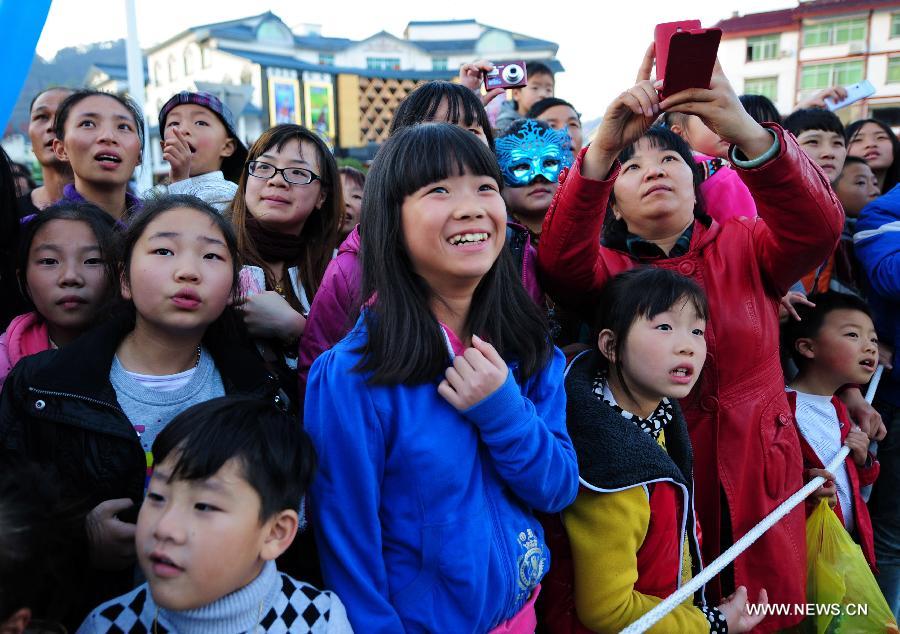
(783, 419)
(709, 404)
(686, 268)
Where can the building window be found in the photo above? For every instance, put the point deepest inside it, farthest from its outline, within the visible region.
(383, 63)
(205, 60)
(817, 76)
(173, 68)
(439, 63)
(158, 73)
(765, 86)
(893, 73)
(762, 47)
(188, 62)
(895, 25)
(839, 32)
(326, 59)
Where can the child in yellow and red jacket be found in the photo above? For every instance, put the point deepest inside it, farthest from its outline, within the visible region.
(629, 539)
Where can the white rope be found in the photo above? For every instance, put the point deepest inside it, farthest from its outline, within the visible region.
(687, 590)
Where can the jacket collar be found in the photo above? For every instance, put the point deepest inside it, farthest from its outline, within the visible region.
(613, 453)
(83, 367)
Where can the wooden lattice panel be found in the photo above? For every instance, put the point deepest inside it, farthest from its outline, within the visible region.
(378, 99)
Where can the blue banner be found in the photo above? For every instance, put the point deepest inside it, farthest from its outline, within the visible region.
(21, 23)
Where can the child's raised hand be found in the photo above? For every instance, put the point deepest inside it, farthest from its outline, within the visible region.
(858, 441)
(471, 76)
(474, 375)
(739, 618)
(627, 118)
(177, 153)
(827, 490)
(721, 110)
(111, 541)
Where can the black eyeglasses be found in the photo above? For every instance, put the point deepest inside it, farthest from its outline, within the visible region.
(293, 175)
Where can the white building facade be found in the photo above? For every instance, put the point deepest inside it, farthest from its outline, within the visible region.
(789, 54)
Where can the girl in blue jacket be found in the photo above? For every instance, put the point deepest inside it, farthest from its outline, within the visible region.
(436, 446)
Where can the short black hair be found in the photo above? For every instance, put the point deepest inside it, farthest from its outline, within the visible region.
(545, 104)
(538, 68)
(36, 528)
(276, 456)
(851, 160)
(813, 119)
(760, 108)
(62, 113)
(45, 91)
(643, 292)
(812, 318)
(463, 107)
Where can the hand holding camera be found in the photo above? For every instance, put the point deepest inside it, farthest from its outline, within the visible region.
(471, 75)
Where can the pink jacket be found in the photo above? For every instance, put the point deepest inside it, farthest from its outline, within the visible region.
(724, 193)
(26, 335)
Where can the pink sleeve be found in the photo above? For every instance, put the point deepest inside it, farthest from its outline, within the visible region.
(726, 196)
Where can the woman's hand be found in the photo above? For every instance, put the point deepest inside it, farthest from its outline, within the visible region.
(835, 93)
(627, 118)
(786, 309)
(858, 442)
(863, 414)
(722, 112)
(111, 541)
(471, 76)
(474, 375)
(739, 618)
(267, 315)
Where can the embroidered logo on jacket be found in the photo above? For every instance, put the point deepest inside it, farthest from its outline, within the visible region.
(531, 563)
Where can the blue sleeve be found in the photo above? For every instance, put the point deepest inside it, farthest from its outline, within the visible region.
(346, 492)
(877, 244)
(526, 436)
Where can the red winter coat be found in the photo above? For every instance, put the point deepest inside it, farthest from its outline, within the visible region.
(859, 477)
(745, 442)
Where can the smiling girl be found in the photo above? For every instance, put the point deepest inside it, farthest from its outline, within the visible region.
(101, 136)
(91, 410)
(439, 420)
(286, 214)
(874, 142)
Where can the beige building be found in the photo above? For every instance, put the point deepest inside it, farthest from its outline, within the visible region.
(791, 53)
(347, 90)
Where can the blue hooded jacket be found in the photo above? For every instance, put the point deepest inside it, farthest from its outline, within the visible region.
(423, 514)
(877, 246)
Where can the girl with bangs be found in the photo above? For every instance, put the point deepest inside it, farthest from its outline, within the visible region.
(101, 136)
(645, 182)
(439, 421)
(286, 214)
(874, 142)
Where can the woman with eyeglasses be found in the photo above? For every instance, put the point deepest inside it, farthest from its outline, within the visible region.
(286, 213)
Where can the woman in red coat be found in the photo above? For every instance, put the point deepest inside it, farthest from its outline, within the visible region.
(745, 440)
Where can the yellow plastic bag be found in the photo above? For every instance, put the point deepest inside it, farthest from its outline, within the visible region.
(840, 587)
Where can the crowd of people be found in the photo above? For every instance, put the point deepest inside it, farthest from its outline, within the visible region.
(508, 380)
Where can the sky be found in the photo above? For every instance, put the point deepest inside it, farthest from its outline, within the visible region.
(601, 43)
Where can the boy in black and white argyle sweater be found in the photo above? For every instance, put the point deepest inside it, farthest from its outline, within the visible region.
(221, 506)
